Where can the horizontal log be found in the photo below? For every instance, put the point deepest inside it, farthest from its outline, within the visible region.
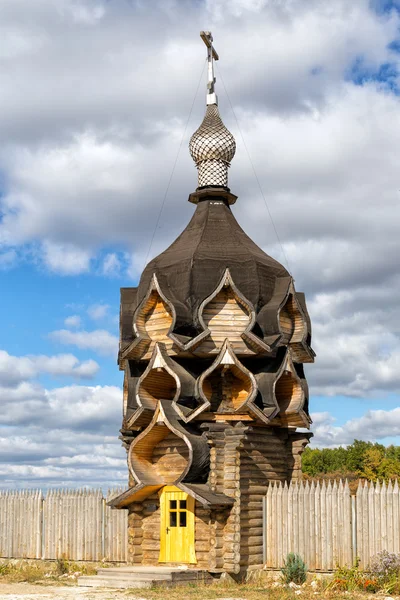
(149, 544)
(150, 558)
(254, 561)
(251, 540)
(217, 552)
(246, 531)
(252, 519)
(264, 462)
(231, 528)
(202, 546)
(232, 537)
(232, 556)
(253, 490)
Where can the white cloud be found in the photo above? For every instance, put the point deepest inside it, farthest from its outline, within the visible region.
(86, 174)
(65, 259)
(111, 265)
(373, 425)
(97, 311)
(72, 321)
(8, 259)
(63, 436)
(16, 369)
(69, 407)
(86, 15)
(99, 340)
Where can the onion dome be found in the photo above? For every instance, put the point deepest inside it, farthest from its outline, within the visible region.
(212, 148)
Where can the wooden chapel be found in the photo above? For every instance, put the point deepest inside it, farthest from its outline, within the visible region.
(212, 344)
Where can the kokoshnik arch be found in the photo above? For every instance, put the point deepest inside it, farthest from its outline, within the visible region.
(212, 343)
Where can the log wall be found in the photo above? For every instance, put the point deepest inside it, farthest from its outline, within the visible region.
(263, 459)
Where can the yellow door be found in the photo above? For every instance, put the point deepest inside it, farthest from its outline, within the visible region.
(177, 526)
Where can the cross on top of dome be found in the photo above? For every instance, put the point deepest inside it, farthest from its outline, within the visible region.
(212, 146)
(212, 55)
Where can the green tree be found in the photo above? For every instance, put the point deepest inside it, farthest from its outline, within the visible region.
(359, 459)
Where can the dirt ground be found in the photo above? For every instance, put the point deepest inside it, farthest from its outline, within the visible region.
(27, 591)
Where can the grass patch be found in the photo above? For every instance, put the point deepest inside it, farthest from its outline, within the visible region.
(47, 572)
(224, 590)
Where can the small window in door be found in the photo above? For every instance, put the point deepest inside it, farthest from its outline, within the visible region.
(173, 519)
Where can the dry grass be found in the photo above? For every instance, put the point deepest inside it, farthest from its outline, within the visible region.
(61, 572)
(226, 591)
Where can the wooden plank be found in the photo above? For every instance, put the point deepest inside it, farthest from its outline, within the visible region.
(396, 517)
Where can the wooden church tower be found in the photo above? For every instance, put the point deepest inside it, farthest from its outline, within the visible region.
(212, 343)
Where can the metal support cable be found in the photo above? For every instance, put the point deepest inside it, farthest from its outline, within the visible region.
(254, 171)
(174, 167)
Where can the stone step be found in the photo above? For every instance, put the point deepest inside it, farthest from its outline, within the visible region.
(143, 577)
(114, 583)
(145, 570)
(136, 576)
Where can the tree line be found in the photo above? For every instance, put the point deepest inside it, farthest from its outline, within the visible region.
(359, 460)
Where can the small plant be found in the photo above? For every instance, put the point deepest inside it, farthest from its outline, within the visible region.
(294, 569)
(62, 566)
(385, 568)
(371, 585)
(4, 569)
(385, 563)
(347, 579)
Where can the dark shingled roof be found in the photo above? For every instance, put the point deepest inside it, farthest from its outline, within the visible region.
(192, 267)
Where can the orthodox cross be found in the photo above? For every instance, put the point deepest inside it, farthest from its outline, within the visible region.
(212, 55)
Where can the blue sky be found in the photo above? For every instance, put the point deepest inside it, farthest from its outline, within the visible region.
(90, 135)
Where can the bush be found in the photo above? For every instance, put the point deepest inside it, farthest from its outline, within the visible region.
(385, 568)
(348, 580)
(294, 569)
(385, 563)
(382, 575)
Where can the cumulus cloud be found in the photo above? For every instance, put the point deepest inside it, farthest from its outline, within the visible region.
(97, 311)
(111, 265)
(76, 186)
(101, 341)
(8, 260)
(75, 406)
(83, 178)
(72, 321)
(63, 436)
(66, 259)
(374, 425)
(16, 369)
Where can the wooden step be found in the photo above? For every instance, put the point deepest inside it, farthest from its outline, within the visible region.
(143, 577)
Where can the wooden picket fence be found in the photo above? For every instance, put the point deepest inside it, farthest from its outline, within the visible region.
(71, 524)
(323, 523)
(328, 526)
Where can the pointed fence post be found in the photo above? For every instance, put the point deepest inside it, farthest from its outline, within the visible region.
(354, 523)
(396, 519)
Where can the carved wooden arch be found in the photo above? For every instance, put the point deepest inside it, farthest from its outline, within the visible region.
(163, 424)
(291, 414)
(160, 365)
(297, 337)
(256, 343)
(141, 450)
(143, 340)
(227, 358)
